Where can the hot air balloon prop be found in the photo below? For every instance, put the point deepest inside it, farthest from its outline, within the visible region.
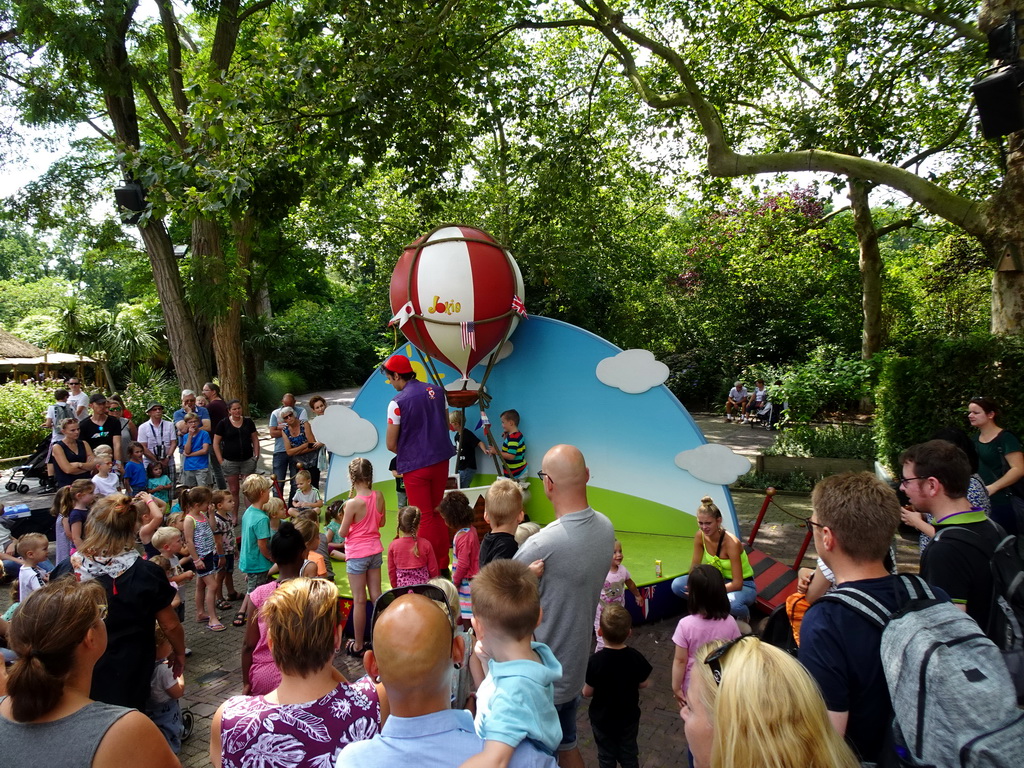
(457, 295)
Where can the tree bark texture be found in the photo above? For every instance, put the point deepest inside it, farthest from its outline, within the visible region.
(226, 316)
(181, 331)
(870, 269)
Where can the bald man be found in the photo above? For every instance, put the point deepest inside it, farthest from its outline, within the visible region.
(577, 550)
(414, 651)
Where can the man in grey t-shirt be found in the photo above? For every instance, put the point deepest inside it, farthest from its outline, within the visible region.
(577, 551)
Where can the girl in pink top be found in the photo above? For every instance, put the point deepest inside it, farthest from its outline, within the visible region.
(709, 620)
(410, 559)
(457, 513)
(364, 517)
(260, 674)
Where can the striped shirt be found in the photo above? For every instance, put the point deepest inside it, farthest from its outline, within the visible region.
(515, 444)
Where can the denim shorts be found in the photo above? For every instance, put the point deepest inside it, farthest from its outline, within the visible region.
(359, 565)
(567, 719)
(212, 563)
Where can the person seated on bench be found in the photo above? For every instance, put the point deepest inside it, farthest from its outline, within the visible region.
(758, 399)
(715, 546)
(737, 401)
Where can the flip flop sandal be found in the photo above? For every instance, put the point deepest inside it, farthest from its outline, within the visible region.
(235, 597)
(239, 620)
(218, 627)
(351, 650)
(224, 605)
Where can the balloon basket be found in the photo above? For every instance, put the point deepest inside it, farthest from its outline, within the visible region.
(462, 398)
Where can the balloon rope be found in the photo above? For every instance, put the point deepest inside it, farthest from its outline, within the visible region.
(429, 365)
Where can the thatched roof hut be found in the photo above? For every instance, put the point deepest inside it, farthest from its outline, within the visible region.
(12, 346)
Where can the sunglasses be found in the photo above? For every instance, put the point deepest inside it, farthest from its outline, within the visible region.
(714, 659)
(427, 590)
(811, 525)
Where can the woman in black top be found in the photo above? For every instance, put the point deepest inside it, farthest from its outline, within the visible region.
(72, 457)
(236, 443)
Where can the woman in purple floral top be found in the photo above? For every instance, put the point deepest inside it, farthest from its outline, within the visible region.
(314, 713)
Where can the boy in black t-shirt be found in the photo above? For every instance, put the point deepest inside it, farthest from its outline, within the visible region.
(503, 512)
(615, 675)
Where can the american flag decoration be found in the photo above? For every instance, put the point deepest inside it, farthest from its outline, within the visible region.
(518, 307)
(484, 421)
(468, 335)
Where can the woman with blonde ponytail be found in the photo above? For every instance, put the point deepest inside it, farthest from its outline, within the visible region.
(714, 545)
(138, 596)
(48, 717)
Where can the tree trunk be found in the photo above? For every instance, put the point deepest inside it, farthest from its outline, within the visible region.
(181, 331)
(226, 307)
(870, 269)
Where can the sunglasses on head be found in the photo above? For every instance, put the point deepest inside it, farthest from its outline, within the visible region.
(435, 594)
(714, 659)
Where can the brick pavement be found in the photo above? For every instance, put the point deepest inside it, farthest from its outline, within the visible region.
(213, 673)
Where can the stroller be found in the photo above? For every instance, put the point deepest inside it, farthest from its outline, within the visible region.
(34, 468)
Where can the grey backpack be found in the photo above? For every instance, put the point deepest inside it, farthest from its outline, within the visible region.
(952, 696)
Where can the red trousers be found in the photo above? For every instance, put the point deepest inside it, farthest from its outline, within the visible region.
(425, 489)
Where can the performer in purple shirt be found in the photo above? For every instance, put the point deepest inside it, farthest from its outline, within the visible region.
(418, 434)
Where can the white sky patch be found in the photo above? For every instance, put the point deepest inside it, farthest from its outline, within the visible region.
(633, 371)
(344, 431)
(713, 463)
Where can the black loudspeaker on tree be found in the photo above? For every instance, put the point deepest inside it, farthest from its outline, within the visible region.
(130, 197)
(999, 103)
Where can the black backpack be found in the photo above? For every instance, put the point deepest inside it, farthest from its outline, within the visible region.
(1006, 617)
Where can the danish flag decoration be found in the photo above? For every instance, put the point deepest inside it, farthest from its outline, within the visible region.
(461, 285)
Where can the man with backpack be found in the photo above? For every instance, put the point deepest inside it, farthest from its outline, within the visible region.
(854, 520)
(958, 559)
(907, 677)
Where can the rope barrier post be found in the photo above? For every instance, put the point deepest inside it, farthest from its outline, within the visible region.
(802, 552)
(760, 517)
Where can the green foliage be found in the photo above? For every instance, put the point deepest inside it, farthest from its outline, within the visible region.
(272, 384)
(150, 385)
(829, 379)
(837, 441)
(327, 345)
(22, 412)
(790, 481)
(928, 387)
(20, 298)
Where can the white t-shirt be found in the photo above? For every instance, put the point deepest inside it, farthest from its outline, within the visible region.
(106, 485)
(161, 434)
(162, 679)
(760, 395)
(28, 581)
(79, 401)
(737, 395)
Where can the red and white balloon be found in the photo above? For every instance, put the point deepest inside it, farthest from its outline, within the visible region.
(453, 276)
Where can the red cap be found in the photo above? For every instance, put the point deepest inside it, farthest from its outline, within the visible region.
(398, 364)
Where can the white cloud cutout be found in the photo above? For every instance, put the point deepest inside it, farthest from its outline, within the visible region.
(344, 431)
(713, 463)
(469, 383)
(633, 371)
(506, 350)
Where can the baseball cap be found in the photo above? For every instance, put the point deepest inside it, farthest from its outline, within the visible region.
(398, 364)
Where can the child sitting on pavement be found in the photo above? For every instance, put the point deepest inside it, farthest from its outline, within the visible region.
(515, 701)
(503, 512)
